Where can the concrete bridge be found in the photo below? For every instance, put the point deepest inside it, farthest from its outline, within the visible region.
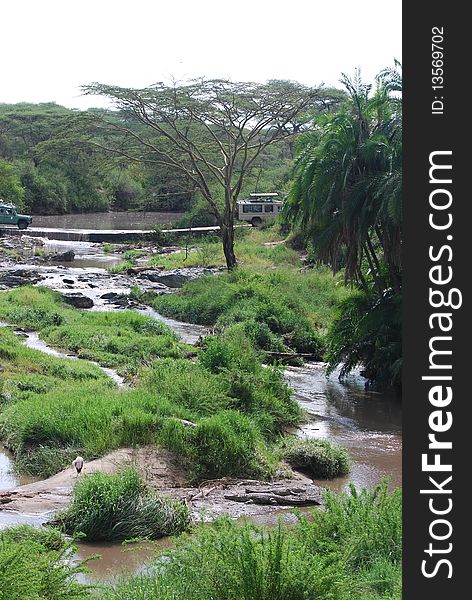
(103, 235)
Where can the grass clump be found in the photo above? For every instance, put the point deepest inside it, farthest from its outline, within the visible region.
(35, 563)
(50, 419)
(282, 310)
(350, 551)
(322, 459)
(116, 507)
(224, 445)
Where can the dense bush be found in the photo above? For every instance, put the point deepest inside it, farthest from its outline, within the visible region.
(119, 507)
(224, 445)
(229, 444)
(322, 459)
(368, 332)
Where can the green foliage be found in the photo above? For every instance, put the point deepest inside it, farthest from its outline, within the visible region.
(279, 310)
(350, 551)
(347, 187)
(35, 563)
(116, 507)
(229, 444)
(368, 332)
(126, 192)
(48, 537)
(320, 458)
(11, 189)
(58, 169)
(46, 189)
(126, 339)
(46, 421)
(346, 198)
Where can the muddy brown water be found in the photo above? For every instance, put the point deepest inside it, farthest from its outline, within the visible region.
(366, 422)
(107, 220)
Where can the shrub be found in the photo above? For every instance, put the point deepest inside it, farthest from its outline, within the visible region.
(368, 331)
(44, 461)
(118, 507)
(366, 524)
(36, 563)
(321, 458)
(48, 537)
(229, 444)
(279, 310)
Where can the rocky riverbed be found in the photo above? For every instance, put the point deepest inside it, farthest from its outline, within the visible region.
(159, 468)
(81, 271)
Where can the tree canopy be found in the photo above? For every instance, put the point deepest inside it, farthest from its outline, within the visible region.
(213, 131)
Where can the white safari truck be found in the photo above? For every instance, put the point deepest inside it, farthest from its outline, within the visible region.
(258, 208)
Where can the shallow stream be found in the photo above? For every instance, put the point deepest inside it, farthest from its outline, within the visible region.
(366, 422)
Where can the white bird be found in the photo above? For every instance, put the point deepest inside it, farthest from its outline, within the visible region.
(78, 463)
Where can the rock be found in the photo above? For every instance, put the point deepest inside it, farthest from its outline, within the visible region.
(78, 300)
(18, 278)
(67, 256)
(111, 296)
(175, 278)
(70, 281)
(36, 241)
(138, 270)
(122, 301)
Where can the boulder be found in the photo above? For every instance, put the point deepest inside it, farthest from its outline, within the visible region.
(175, 278)
(111, 296)
(67, 256)
(78, 300)
(18, 278)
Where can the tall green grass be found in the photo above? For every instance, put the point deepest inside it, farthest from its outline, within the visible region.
(122, 339)
(116, 507)
(279, 310)
(56, 408)
(35, 563)
(226, 444)
(322, 459)
(350, 551)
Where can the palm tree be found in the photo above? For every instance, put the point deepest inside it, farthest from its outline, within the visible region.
(347, 187)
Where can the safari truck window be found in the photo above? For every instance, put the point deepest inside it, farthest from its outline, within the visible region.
(269, 208)
(252, 208)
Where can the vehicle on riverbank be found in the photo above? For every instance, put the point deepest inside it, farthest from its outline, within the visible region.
(259, 208)
(9, 216)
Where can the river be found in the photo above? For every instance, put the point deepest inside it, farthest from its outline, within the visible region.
(366, 422)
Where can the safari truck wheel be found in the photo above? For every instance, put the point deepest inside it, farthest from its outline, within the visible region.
(22, 225)
(256, 221)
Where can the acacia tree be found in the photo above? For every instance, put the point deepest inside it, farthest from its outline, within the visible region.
(210, 130)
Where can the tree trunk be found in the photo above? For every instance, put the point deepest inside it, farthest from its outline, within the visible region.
(227, 235)
(227, 229)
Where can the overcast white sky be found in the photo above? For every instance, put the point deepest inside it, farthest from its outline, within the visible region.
(49, 48)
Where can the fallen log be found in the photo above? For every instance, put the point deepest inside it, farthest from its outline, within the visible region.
(278, 492)
(274, 499)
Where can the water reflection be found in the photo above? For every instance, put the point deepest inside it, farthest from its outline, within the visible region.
(367, 423)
